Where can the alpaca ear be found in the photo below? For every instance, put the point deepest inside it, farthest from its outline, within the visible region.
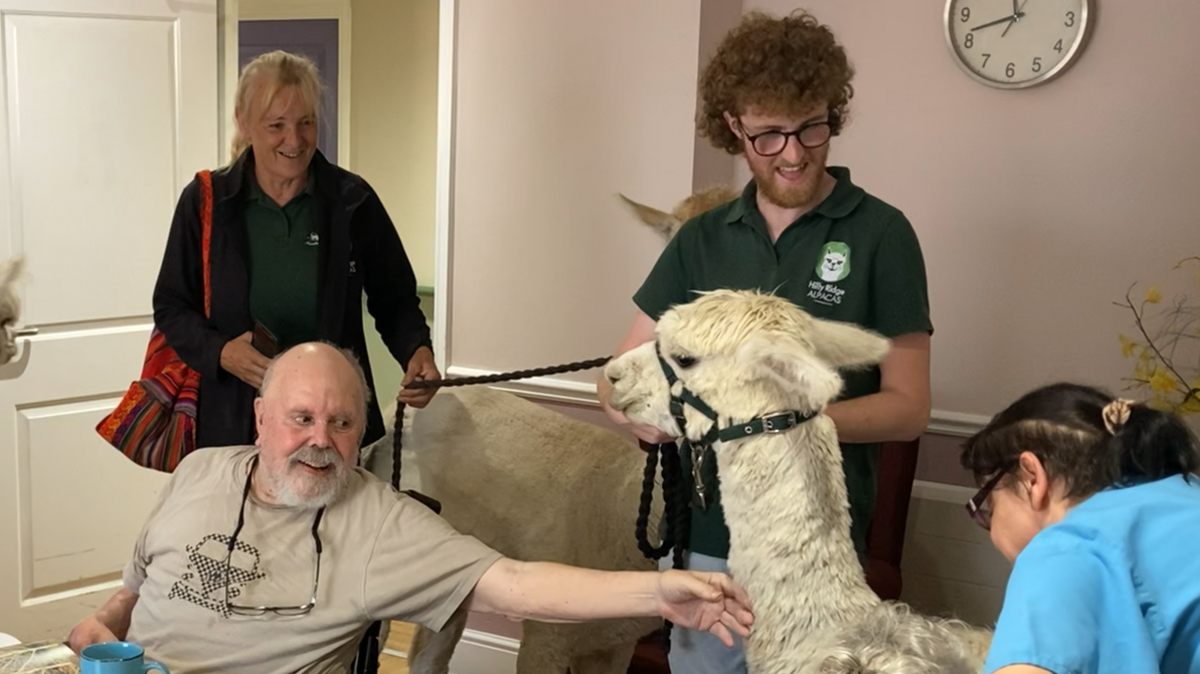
(11, 269)
(843, 345)
(665, 223)
(794, 368)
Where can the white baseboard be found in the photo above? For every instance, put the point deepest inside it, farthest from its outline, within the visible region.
(480, 653)
(484, 653)
(552, 389)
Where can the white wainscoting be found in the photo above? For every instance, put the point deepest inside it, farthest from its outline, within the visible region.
(949, 566)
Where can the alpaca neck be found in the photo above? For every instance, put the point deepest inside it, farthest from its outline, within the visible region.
(786, 506)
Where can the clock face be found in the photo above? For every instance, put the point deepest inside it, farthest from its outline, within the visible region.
(1012, 44)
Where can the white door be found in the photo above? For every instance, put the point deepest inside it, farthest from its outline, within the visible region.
(109, 107)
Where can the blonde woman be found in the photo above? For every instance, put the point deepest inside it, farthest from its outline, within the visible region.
(295, 242)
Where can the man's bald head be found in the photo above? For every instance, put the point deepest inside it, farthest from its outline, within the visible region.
(321, 359)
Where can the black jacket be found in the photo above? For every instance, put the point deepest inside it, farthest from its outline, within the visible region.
(359, 251)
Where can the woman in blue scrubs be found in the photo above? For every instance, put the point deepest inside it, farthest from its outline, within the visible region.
(1096, 502)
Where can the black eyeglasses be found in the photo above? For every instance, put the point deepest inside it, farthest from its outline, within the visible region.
(810, 136)
(261, 610)
(978, 507)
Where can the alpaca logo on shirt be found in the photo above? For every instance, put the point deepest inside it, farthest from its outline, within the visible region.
(834, 262)
(212, 567)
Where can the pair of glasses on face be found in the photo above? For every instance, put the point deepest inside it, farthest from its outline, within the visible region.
(978, 507)
(771, 143)
(262, 610)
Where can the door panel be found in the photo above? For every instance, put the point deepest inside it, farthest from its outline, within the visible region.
(108, 110)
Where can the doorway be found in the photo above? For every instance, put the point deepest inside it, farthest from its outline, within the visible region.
(315, 38)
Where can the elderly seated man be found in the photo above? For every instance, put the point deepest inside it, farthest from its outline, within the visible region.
(276, 557)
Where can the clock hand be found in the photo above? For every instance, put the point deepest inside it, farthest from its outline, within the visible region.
(1010, 25)
(1015, 17)
(997, 22)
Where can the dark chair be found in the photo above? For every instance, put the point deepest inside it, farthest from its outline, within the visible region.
(369, 647)
(885, 542)
(885, 537)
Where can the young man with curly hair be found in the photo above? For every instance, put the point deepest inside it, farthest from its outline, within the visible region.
(777, 90)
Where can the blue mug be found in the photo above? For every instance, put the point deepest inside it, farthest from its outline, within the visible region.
(116, 657)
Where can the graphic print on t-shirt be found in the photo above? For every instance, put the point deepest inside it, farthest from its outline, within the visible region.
(203, 584)
(834, 262)
(833, 265)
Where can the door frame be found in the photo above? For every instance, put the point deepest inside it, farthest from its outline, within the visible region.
(233, 11)
(443, 237)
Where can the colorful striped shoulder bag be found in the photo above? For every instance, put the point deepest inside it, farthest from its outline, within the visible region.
(154, 425)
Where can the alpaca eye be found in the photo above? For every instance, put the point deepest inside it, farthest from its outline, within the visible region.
(685, 361)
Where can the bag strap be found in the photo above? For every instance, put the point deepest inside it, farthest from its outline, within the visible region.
(206, 208)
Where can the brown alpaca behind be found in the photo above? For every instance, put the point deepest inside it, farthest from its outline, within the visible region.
(699, 202)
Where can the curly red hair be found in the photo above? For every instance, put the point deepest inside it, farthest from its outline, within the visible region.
(783, 65)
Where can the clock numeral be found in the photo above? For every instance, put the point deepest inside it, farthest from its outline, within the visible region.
(985, 59)
(1037, 64)
(1058, 46)
(969, 41)
(965, 14)
(1011, 70)
(1070, 19)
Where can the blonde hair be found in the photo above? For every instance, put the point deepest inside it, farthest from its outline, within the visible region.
(266, 76)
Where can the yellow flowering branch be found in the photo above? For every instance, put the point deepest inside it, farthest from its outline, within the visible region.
(1156, 368)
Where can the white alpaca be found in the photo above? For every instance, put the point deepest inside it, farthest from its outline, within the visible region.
(749, 355)
(536, 485)
(10, 306)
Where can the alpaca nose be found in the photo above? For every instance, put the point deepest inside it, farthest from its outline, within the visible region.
(612, 377)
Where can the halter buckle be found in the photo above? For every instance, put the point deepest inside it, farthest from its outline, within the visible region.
(779, 422)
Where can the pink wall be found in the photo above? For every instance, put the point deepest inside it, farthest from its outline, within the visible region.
(1036, 209)
(560, 106)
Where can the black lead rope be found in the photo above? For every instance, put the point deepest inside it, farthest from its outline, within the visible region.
(398, 422)
(676, 515)
(676, 518)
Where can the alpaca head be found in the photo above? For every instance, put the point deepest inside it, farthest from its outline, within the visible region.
(745, 353)
(10, 306)
(668, 224)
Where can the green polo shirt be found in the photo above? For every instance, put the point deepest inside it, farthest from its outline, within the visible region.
(284, 246)
(853, 258)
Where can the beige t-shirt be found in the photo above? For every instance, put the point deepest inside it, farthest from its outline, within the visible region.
(384, 557)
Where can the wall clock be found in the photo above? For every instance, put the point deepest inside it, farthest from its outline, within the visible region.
(1014, 44)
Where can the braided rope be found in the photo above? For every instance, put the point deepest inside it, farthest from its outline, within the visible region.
(508, 376)
(675, 496)
(398, 422)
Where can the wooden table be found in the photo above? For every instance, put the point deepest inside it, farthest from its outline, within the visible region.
(44, 657)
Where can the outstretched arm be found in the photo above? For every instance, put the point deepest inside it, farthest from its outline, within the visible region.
(110, 623)
(550, 592)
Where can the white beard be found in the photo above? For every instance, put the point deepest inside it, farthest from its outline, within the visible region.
(302, 491)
